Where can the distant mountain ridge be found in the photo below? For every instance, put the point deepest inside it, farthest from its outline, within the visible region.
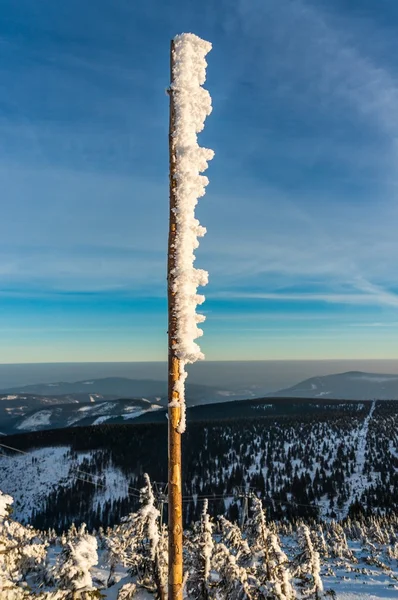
(114, 386)
(352, 385)
(123, 387)
(93, 401)
(58, 416)
(118, 400)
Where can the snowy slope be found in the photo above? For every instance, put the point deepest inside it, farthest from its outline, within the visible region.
(37, 420)
(29, 481)
(29, 477)
(72, 415)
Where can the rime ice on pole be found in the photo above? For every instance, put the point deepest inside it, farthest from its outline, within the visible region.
(192, 104)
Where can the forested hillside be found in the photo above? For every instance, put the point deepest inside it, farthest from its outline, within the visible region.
(302, 464)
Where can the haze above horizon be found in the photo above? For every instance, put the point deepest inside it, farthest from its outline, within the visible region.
(266, 376)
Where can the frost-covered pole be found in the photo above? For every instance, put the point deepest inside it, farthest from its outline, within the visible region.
(190, 104)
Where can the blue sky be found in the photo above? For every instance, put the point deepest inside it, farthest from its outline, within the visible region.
(301, 210)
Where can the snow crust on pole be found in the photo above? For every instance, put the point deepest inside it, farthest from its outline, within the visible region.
(192, 104)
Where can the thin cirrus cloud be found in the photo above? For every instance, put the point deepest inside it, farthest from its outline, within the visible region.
(329, 54)
(379, 299)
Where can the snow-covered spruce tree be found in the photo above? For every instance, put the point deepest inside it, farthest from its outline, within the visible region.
(73, 568)
(308, 566)
(392, 551)
(142, 547)
(127, 591)
(22, 553)
(375, 532)
(115, 546)
(234, 582)
(8, 548)
(231, 536)
(279, 585)
(121, 543)
(355, 529)
(200, 545)
(72, 532)
(337, 543)
(270, 563)
(257, 529)
(33, 561)
(320, 542)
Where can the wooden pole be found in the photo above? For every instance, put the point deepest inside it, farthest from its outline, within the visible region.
(174, 411)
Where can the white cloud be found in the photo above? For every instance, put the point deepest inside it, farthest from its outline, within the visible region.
(376, 325)
(321, 57)
(330, 298)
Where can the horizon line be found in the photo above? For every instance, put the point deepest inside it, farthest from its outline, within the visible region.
(96, 362)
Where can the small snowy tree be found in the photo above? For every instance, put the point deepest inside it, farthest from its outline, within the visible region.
(22, 552)
(139, 544)
(308, 565)
(201, 547)
(231, 536)
(234, 581)
(78, 556)
(280, 575)
(337, 542)
(270, 562)
(115, 552)
(127, 591)
(8, 547)
(257, 529)
(320, 542)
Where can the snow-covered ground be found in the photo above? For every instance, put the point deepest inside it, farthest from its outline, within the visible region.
(357, 481)
(361, 580)
(362, 583)
(349, 568)
(36, 421)
(30, 477)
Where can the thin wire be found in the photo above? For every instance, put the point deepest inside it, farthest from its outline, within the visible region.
(96, 483)
(210, 497)
(129, 487)
(101, 485)
(11, 448)
(185, 498)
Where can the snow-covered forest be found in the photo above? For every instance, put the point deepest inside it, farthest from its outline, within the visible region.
(316, 483)
(302, 464)
(263, 560)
